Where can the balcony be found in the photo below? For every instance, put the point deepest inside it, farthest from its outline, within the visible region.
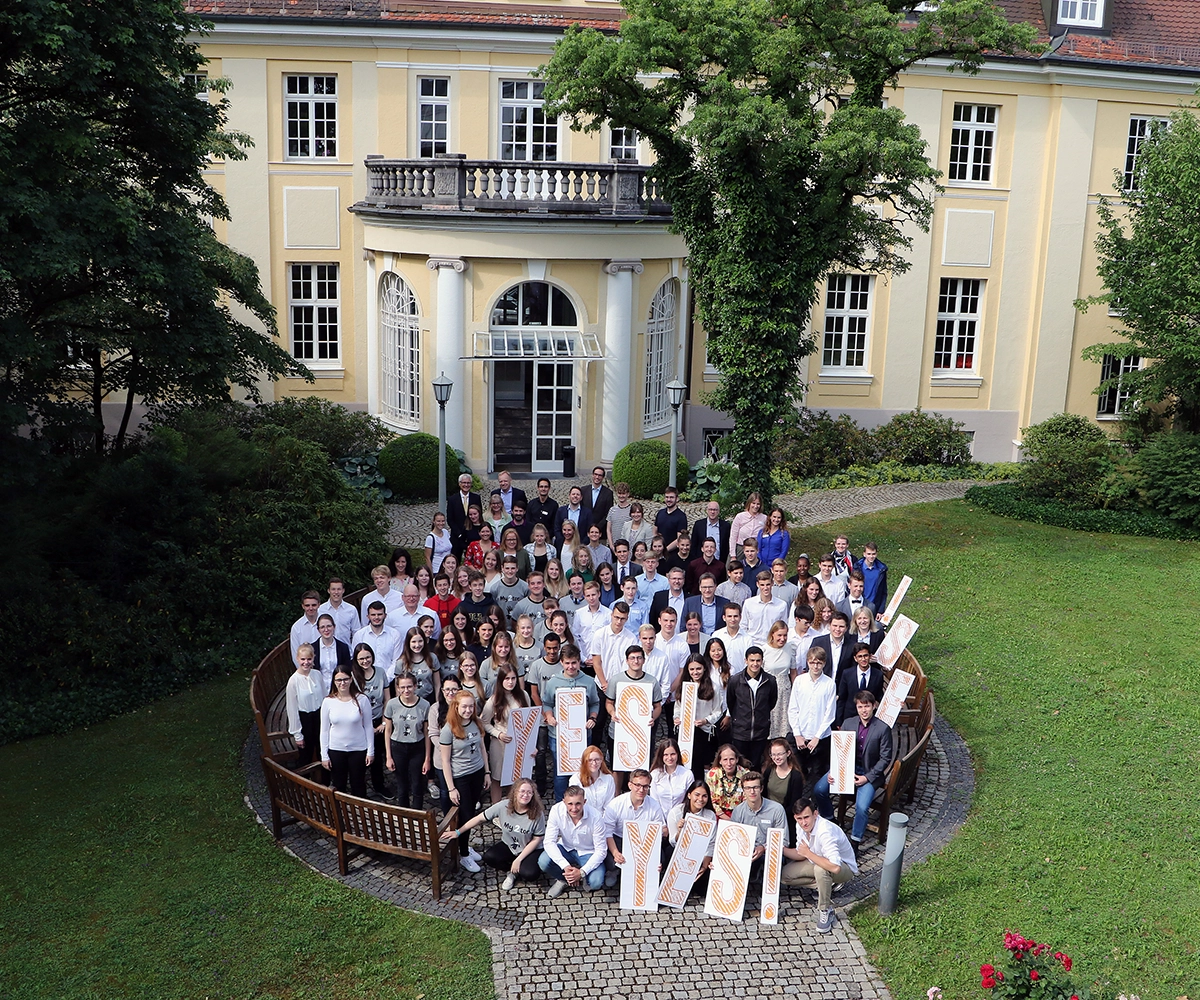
(621, 192)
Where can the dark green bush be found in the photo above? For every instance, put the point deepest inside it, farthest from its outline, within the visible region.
(813, 443)
(921, 438)
(339, 431)
(409, 463)
(645, 466)
(1170, 475)
(1011, 500)
(1067, 458)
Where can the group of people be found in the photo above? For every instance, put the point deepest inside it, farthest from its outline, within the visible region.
(415, 686)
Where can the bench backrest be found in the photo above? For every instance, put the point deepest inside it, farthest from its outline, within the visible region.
(910, 763)
(305, 800)
(411, 833)
(925, 713)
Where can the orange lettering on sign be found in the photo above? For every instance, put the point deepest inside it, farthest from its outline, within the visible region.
(639, 843)
(633, 703)
(687, 721)
(728, 892)
(521, 726)
(570, 739)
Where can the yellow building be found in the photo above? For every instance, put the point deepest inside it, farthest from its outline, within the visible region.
(413, 212)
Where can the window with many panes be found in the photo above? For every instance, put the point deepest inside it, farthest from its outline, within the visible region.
(1082, 12)
(957, 325)
(525, 132)
(400, 334)
(313, 307)
(311, 108)
(1139, 131)
(972, 143)
(847, 317)
(623, 144)
(433, 115)
(1115, 398)
(661, 334)
(197, 83)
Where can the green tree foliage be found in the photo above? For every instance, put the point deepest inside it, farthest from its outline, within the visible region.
(1066, 459)
(1170, 475)
(814, 443)
(779, 162)
(1149, 249)
(111, 279)
(921, 438)
(646, 467)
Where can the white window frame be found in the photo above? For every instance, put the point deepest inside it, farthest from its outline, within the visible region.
(973, 145)
(310, 116)
(662, 326)
(1112, 403)
(522, 115)
(198, 82)
(624, 144)
(428, 107)
(848, 300)
(314, 313)
(400, 340)
(1084, 13)
(960, 309)
(1139, 132)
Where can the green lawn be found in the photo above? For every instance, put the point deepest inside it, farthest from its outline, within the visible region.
(133, 868)
(1068, 662)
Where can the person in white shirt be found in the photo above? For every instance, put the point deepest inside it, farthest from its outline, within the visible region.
(656, 664)
(410, 613)
(383, 639)
(305, 628)
(634, 804)
(822, 857)
(593, 615)
(382, 577)
(672, 644)
(833, 585)
(802, 635)
(761, 611)
(347, 736)
(574, 848)
(345, 616)
(669, 779)
(609, 643)
(734, 638)
(637, 610)
(305, 691)
(811, 712)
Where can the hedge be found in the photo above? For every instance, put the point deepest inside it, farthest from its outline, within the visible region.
(1010, 500)
(887, 473)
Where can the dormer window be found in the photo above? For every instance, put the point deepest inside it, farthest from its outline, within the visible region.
(1085, 13)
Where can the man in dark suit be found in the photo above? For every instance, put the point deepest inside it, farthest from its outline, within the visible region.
(598, 499)
(506, 492)
(543, 507)
(839, 654)
(863, 676)
(715, 527)
(673, 597)
(707, 605)
(573, 511)
(873, 754)
(624, 566)
(456, 513)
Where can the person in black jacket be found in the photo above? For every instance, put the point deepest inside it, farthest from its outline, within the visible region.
(542, 508)
(783, 781)
(597, 499)
(863, 676)
(873, 753)
(750, 697)
(456, 513)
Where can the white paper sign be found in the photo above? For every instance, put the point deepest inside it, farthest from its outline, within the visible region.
(687, 721)
(841, 762)
(893, 698)
(894, 643)
(772, 870)
(523, 724)
(642, 847)
(631, 746)
(691, 848)
(894, 603)
(570, 712)
(730, 870)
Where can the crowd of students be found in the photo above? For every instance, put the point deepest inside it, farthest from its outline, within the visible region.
(511, 605)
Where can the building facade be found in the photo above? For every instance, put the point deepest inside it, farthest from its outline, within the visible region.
(413, 212)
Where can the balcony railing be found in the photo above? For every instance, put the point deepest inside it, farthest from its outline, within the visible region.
(508, 187)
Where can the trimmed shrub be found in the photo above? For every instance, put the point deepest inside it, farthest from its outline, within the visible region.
(645, 466)
(920, 438)
(1067, 457)
(813, 443)
(1170, 475)
(339, 431)
(409, 463)
(886, 473)
(1011, 500)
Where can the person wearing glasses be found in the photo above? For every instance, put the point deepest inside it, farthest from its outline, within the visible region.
(347, 736)
(762, 814)
(634, 804)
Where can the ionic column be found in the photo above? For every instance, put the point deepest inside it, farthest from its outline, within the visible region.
(449, 330)
(618, 353)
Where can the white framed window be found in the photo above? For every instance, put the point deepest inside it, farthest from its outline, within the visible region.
(525, 132)
(847, 320)
(957, 325)
(197, 83)
(313, 306)
(623, 144)
(400, 333)
(972, 143)
(1140, 127)
(1086, 13)
(433, 114)
(661, 329)
(310, 104)
(1114, 400)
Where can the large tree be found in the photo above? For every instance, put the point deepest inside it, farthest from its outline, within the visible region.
(778, 158)
(111, 279)
(1149, 249)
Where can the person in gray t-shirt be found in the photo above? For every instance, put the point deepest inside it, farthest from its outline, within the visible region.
(521, 819)
(509, 590)
(404, 722)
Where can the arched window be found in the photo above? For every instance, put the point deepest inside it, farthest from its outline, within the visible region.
(661, 332)
(400, 333)
(534, 303)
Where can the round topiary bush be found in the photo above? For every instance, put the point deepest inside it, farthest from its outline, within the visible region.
(409, 463)
(1066, 458)
(645, 466)
(921, 438)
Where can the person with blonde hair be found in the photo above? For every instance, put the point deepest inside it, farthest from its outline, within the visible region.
(747, 523)
(521, 820)
(465, 768)
(304, 693)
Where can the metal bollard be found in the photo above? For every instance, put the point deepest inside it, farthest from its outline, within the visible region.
(893, 858)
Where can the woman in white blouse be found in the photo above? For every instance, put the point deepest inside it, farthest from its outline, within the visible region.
(696, 802)
(669, 779)
(437, 542)
(304, 694)
(347, 736)
(779, 660)
(748, 523)
(596, 780)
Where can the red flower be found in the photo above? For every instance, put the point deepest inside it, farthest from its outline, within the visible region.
(1000, 976)
(1033, 974)
(988, 982)
(986, 970)
(1017, 956)
(1066, 962)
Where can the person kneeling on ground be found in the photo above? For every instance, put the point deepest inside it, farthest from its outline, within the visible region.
(574, 845)
(822, 857)
(521, 819)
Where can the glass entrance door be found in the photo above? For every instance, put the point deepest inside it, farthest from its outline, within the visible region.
(553, 413)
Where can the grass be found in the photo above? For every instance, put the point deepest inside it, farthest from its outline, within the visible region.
(133, 868)
(1068, 662)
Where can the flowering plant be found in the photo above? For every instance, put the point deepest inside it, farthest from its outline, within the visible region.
(1031, 970)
